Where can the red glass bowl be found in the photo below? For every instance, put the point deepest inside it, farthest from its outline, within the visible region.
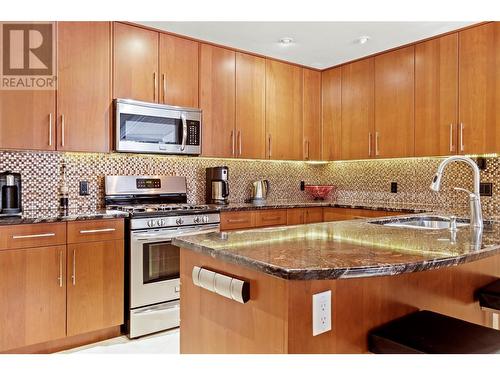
(319, 191)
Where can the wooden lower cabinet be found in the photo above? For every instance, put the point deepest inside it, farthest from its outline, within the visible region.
(296, 216)
(95, 286)
(237, 220)
(339, 213)
(270, 218)
(32, 296)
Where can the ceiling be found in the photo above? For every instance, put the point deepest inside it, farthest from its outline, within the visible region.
(315, 44)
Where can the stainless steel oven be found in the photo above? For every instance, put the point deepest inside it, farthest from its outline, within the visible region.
(154, 277)
(156, 128)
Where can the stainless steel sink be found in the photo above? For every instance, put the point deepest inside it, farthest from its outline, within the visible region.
(421, 222)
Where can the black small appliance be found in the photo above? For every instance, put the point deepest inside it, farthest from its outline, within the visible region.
(10, 187)
(217, 185)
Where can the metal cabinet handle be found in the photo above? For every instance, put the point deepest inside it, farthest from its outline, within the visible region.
(60, 278)
(232, 143)
(87, 231)
(239, 143)
(369, 143)
(50, 129)
(154, 86)
(73, 276)
(164, 87)
(62, 129)
(269, 147)
(18, 237)
(376, 144)
(271, 218)
(452, 148)
(237, 220)
(461, 137)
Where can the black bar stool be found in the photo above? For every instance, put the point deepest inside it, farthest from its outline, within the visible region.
(427, 332)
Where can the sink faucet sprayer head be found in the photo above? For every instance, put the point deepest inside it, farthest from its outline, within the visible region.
(436, 182)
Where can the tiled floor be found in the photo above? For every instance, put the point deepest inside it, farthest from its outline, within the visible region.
(160, 343)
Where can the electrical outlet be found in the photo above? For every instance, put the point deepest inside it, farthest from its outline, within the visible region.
(322, 312)
(394, 187)
(486, 189)
(84, 188)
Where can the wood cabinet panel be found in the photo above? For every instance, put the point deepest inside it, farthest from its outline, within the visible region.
(27, 120)
(84, 103)
(340, 213)
(32, 235)
(294, 216)
(394, 103)
(479, 68)
(358, 129)
(269, 218)
(436, 96)
(237, 220)
(95, 293)
(32, 296)
(95, 230)
(313, 215)
(135, 63)
(178, 79)
(331, 100)
(284, 110)
(217, 100)
(250, 106)
(312, 115)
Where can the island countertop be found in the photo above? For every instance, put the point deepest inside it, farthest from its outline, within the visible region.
(346, 249)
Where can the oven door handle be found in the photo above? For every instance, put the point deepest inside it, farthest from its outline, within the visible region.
(184, 131)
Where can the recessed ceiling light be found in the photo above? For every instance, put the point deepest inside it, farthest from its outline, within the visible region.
(363, 39)
(286, 41)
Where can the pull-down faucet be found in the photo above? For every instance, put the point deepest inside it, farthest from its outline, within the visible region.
(476, 216)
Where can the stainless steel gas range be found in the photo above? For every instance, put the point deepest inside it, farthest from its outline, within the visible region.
(158, 212)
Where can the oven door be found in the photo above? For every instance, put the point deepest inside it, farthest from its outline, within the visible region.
(154, 264)
(154, 128)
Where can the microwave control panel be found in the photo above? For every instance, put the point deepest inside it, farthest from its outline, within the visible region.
(193, 133)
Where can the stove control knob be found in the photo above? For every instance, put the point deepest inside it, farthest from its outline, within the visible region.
(160, 222)
(151, 223)
(205, 219)
(196, 220)
(163, 222)
(179, 221)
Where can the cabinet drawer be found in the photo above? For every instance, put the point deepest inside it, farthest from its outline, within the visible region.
(313, 215)
(95, 230)
(294, 216)
(267, 218)
(237, 220)
(32, 235)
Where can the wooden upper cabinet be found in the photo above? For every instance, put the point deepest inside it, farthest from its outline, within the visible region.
(479, 87)
(178, 71)
(135, 63)
(32, 296)
(217, 100)
(331, 100)
(312, 115)
(358, 101)
(436, 96)
(284, 85)
(95, 297)
(394, 103)
(84, 102)
(250, 106)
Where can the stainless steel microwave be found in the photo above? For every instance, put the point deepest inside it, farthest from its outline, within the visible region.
(156, 128)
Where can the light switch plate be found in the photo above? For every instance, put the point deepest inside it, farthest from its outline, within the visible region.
(322, 312)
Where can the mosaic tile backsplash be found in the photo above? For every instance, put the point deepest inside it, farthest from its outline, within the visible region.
(364, 182)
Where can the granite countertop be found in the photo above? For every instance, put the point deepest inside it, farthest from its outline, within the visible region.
(287, 204)
(50, 216)
(346, 249)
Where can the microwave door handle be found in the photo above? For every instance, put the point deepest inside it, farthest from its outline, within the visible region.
(184, 131)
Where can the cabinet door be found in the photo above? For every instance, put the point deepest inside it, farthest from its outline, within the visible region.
(237, 220)
(479, 119)
(358, 110)
(331, 113)
(294, 216)
(27, 119)
(217, 100)
(283, 111)
(84, 86)
(95, 286)
(313, 215)
(436, 96)
(32, 296)
(250, 106)
(394, 103)
(269, 218)
(178, 71)
(312, 115)
(135, 63)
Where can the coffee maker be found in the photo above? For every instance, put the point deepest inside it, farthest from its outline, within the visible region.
(217, 185)
(10, 190)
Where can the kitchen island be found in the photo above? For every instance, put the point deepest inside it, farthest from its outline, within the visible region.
(376, 273)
